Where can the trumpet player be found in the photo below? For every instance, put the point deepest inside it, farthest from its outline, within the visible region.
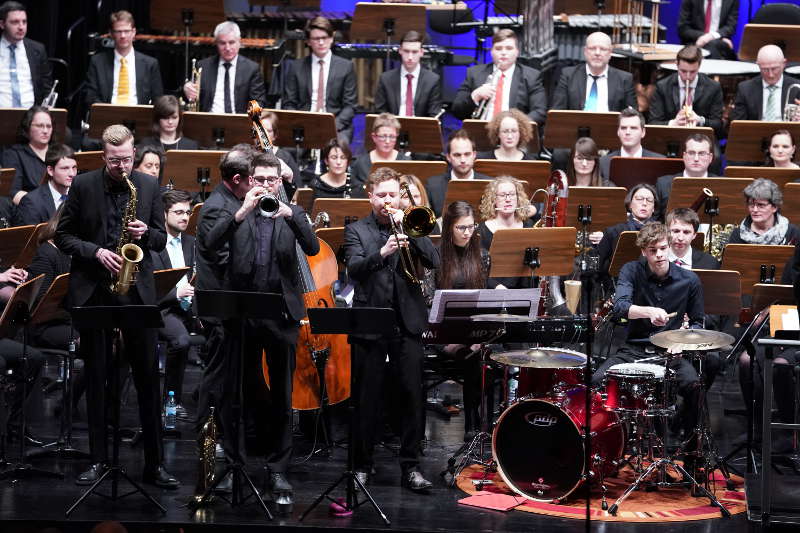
(92, 225)
(512, 84)
(374, 262)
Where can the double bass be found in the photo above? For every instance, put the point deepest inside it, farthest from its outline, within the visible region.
(328, 355)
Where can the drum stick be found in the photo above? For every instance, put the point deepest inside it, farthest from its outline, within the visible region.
(672, 315)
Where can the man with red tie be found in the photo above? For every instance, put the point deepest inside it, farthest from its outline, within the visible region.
(709, 24)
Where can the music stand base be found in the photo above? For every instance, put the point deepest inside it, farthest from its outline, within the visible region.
(238, 472)
(59, 449)
(347, 507)
(19, 471)
(115, 472)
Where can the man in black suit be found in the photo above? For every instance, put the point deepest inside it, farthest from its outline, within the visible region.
(90, 229)
(409, 90)
(374, 265)
(670, 104)
(176, 306)
(682, 224)
(762, 97)
(334, 91)
(229, 80)
(460, 154)
(39, 205)
(263, 258)
(697, 157)
(631, 131)
(513, 85)
(709, 24)
(33, 75)
(594, 85)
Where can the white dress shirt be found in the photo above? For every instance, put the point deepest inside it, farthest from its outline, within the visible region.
(130, 63)
(602, 89)
(686, 260)
(624, 153)
(23, 75)
(454, 177)
(315, 77)
(509, 75)
(218, 105)
(55, 194)
(403, 84)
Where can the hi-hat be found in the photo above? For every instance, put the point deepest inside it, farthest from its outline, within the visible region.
(541, 358)
(691, 339)
(500, 317)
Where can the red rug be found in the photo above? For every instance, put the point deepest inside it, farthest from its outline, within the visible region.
(674, 504)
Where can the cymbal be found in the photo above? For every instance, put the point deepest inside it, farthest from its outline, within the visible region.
(541, 358)
(691, 339)
(500, 317)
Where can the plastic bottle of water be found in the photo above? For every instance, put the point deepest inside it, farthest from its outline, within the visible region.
(170, 409)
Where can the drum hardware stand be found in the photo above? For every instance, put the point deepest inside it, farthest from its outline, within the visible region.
(320, 358)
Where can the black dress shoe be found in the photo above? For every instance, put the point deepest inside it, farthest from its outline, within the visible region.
(281, 492)
(415, 481)
(91, 475)
(160, 478)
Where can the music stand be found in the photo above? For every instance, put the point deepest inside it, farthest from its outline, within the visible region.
(608, 204)
(749, 259)
(350, 321)
(786, 36)
(470, 191)
(379, 22)
(88, 161)
(217, 130)
(624, 252)
(236, 307)
(16, 315)
(417, 134)
(305, 129)
(166, 279)
(669, 140)
(115, 318)
(11, 116)
(192, 170)
(334, 237)
(477, 132)
(421, 169)
(6, 180)
(726, 287)
(565, 127)
(29, 250)
(729, 191)
(191, 227)
(304, 197)
(535, 173)
(167, 16)
(630, 171)
(137, 118)
(341, 211)
(781, 176)
(12, 242)
(532, 251)
(767, 294)
(748, 140)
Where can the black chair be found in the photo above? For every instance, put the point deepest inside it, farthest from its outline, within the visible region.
(777, 14)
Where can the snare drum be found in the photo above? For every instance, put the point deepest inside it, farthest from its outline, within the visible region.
(564, 375)
(639, 387)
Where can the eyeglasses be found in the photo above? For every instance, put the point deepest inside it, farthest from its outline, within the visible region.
(270, 180)
(466, 228)
(701, 155)
(180, 212)
(385, 137)
(758, 205)
(117, 161)
(644, 199)
(507, 195)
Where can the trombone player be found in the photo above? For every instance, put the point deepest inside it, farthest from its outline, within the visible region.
(374, 255)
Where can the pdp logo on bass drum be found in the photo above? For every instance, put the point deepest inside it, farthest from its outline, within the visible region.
(541, 419)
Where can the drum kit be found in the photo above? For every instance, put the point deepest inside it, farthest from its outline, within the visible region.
(538, 442)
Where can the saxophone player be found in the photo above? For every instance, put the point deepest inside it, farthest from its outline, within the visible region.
(105, 208)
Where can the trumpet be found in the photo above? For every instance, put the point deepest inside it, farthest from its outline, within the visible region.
(687, 106)
(268, 204)
(483, 108)
(790, 111)
(197, 73)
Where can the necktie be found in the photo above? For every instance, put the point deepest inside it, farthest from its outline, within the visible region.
(321, 86)
(689, 96)
(16, 101)
(409, 96)
(227, 96)
(123, 85)
(771, 114)
(679, 262)
(708, 15)
(62, 199)
(498, 96)
(591, 101)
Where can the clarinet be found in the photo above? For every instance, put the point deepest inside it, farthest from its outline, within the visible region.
(347, 185)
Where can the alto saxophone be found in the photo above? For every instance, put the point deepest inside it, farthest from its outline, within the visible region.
(130, 253)
(207, 449)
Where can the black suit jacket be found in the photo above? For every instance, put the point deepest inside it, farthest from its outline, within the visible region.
(571, 90)
(184, 143)
(35, 207)
(749, 101)
(41, 73)
(161, 261)
(340, 91)
(704, 261)
(706, 101)
(663, 190)
(211, 262)
(373, 274)
(527, 92)
(100, 78)
(436, 187)
(287, 233)
(427, 98)
(605, 161)
(248, 83)
(30, 169)
(83, 225)
(692, 19)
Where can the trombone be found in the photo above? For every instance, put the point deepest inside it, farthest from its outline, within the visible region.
(418, 221)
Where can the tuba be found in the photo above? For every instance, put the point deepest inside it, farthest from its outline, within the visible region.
(207, 449)
(130, 253)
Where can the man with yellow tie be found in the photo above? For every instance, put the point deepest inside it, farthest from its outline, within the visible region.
(123, 76)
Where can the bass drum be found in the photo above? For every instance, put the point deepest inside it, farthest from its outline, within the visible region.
(539, 448)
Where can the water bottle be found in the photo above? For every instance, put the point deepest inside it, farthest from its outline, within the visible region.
(170, 410)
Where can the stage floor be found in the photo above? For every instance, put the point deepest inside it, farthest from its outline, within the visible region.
(33, 504)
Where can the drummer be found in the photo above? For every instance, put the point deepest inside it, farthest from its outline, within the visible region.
(654, 295)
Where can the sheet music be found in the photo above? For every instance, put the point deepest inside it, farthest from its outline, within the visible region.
(478, 299)
(789, 320)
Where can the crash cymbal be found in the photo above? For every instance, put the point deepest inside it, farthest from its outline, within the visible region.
(540, 358)
(691, 339)
(500, 317)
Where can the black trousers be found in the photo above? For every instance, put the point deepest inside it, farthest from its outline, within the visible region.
(267, 412)
(176, 334)
(140, 352)
(213, 378)
(405, 361)
(11, 358)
